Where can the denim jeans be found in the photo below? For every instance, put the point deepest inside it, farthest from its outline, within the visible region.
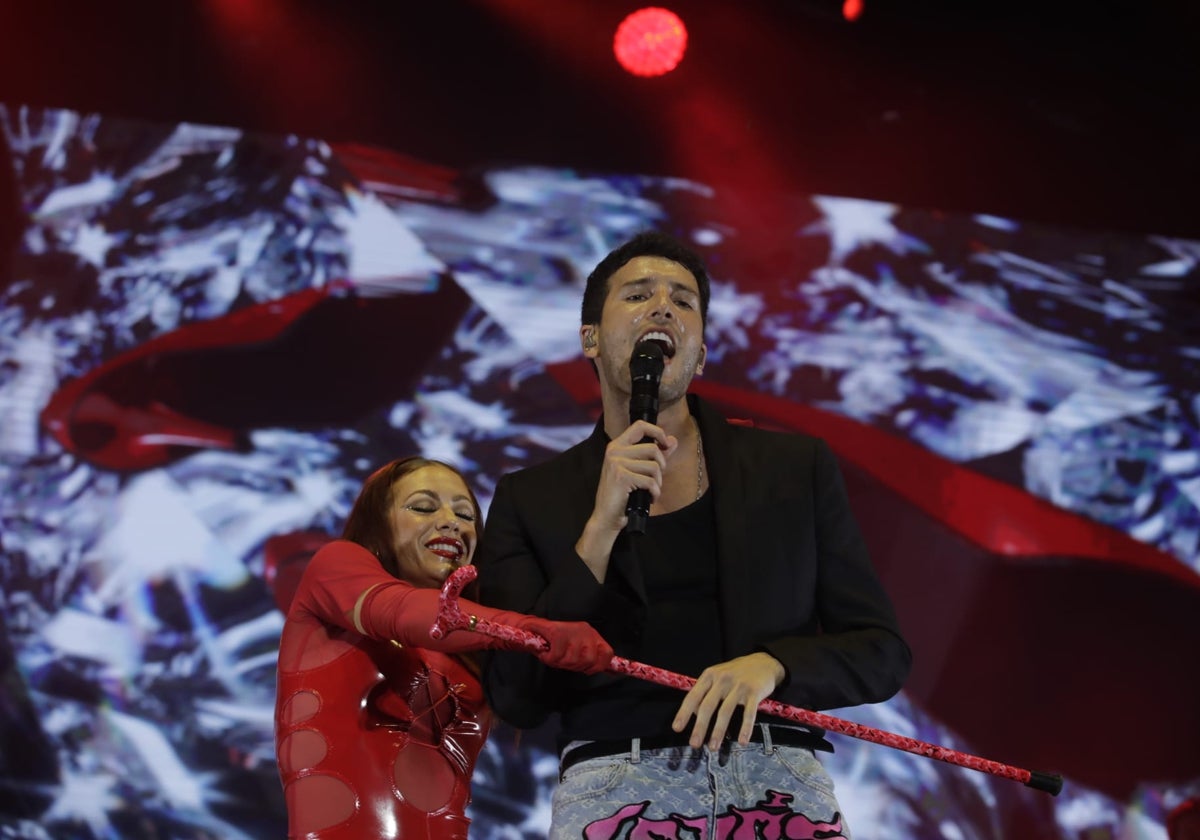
(753, 792)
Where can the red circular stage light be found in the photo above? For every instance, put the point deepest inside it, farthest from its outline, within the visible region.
(852, 10)
(650, 42)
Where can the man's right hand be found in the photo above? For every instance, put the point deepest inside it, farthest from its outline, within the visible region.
(628, 465)
(631, 465)
(574, 645)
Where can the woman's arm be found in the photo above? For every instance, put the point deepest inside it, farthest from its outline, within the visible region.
(345, 585)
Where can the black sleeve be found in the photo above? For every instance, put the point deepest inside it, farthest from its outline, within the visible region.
(859, 655)
(513, 576)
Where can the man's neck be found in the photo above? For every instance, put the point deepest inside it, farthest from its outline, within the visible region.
(674, 417)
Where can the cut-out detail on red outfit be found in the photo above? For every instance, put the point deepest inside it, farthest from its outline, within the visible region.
(375, 738)
(377, 727)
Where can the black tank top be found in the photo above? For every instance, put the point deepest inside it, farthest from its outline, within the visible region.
(679, 566)
(678, 558)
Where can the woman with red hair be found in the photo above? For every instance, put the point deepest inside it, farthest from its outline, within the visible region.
(377, 725)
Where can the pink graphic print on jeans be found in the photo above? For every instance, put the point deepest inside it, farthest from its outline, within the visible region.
(771, 819)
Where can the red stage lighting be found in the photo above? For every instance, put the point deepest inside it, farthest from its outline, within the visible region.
(851, 9)
(650, 42)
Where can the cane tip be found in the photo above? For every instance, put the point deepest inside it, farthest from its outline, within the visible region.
(1050, 783)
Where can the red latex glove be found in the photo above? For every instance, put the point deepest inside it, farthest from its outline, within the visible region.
(574, 645)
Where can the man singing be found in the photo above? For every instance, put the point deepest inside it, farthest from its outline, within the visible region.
(751, 576)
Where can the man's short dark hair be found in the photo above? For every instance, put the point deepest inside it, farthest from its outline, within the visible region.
(649, 244)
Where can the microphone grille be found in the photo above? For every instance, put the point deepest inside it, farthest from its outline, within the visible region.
(646, 361)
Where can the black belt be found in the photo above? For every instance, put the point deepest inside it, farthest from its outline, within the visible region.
(781, 736)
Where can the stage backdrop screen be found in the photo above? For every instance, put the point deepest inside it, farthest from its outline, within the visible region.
(209, 338)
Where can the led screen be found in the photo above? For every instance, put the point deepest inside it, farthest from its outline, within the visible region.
(211, 337)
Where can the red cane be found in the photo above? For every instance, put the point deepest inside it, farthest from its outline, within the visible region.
(450, 617)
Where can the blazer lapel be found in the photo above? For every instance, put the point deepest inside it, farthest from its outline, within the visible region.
(735, 588)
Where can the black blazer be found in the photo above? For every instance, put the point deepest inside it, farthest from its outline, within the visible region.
(795, 578)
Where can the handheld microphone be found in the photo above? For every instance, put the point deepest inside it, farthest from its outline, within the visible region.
(645, 374)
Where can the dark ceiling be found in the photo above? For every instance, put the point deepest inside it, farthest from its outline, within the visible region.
(1064, 112)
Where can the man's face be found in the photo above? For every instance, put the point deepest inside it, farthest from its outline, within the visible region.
(648, 298)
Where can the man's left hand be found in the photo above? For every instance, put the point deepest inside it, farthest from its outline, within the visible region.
(720, 690)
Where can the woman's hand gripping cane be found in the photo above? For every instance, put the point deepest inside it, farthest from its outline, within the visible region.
(570, 645)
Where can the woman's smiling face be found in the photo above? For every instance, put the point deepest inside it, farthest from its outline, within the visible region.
(433, 525)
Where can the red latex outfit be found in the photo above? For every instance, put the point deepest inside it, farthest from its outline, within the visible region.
(375, 736)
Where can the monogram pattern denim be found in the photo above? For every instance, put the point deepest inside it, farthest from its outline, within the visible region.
(751, 792)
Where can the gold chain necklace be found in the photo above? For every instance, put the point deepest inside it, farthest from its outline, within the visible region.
(699, 462)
